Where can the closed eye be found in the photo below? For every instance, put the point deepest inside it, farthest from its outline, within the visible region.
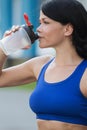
(46, 22)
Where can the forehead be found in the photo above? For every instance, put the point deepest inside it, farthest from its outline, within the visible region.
(42, 16)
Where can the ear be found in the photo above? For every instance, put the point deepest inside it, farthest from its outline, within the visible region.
(68, 30)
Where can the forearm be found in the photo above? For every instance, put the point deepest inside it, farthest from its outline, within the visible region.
(13, 41)
(16, 75)
(3, 58)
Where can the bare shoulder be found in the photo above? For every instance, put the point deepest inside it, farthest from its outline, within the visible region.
(37, 63)
(83, 84)
(40, 60)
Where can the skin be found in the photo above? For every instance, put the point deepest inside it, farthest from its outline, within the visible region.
(51, 34)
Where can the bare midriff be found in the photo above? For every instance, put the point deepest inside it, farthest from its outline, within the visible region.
(57, 125)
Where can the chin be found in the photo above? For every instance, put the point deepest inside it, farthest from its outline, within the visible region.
(43, 46)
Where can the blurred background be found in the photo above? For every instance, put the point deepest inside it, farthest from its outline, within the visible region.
(11, 13)
(15, 113)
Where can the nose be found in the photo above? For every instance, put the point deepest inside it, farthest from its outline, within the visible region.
(39, 28)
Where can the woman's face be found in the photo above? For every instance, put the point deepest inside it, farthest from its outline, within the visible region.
(51, 33)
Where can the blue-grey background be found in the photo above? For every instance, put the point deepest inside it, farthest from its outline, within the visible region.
(15, 113)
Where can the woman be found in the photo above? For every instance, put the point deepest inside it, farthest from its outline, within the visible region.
(60, 97)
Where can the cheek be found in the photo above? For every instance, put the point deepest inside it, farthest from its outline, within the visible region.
(54, 35)
(48, 32)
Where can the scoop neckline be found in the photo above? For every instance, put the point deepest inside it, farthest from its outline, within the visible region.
(66, 79)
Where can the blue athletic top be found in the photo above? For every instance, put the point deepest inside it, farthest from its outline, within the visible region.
(60, 101)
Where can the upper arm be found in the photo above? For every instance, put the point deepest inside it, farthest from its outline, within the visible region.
(83, 84)
(24, 73)
(17, 75)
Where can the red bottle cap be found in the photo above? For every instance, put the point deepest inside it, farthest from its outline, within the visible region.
(27, 19)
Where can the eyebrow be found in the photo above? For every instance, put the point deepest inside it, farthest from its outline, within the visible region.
(42, 19)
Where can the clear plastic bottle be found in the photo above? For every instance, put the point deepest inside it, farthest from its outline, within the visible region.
(22, 38)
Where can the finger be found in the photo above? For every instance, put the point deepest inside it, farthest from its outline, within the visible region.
(27, 47)
(12, 30)
(8, 32)
(15, 28)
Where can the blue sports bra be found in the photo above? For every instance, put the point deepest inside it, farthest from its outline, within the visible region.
(60, 101)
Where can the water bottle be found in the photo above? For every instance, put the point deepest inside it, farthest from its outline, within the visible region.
(19, 39)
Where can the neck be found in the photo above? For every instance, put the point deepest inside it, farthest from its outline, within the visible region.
(67, 56)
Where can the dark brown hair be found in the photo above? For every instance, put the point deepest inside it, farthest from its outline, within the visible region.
(70, 11)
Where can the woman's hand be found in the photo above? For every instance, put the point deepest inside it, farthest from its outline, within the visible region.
(12, 30)
(14, 40)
